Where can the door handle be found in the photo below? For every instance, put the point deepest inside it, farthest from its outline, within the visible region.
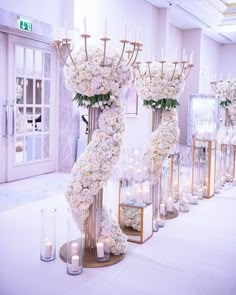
(12, 120)
(5, 135)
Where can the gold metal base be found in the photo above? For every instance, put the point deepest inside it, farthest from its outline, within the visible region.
(89, 258)
(171, 215)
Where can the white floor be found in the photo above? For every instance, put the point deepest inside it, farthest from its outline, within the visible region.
(194, 254)
(17, 193)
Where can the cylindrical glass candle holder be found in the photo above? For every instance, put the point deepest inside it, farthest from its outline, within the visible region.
(74, 244)
(183, 203)
(48, 234)
(103, 235)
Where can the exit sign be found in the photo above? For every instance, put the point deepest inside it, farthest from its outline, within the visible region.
(25, 25)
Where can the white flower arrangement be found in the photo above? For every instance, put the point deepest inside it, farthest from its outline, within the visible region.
(131, 217)
(98, 85)
(160, 88)
(112, 237)
(227, 92)
(162, 140)
(95, 82)
(232, 112)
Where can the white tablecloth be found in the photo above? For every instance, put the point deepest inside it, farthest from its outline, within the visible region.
(194, 254)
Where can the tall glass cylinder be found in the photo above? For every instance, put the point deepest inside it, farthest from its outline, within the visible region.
(74, 244)
(103, 235)
(48, 234)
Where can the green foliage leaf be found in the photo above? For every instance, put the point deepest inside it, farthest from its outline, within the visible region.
(165, 103)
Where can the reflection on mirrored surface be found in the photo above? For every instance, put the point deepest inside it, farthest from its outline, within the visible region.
(46, 146)
(29, 91)
(203, 114)
(136, 222)
(46, 119)
(38, 63)
(38, 91)
(30, 120)
(19, 90)
(19, 60)
(19, 152)
(29, 61)
(37, 147)
(46, 92)
(47, 64)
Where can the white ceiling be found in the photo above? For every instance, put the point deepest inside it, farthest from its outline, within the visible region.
(215, 17)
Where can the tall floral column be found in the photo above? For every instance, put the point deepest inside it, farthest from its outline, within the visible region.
(159, 85)
(97, 77)
(226, 91)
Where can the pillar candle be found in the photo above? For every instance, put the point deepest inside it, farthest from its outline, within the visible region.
(170, 204)
(74, 248)
(100, 250)
(75, 263)
(128, 197)
(85, 26)
(48, 249)
(186, 205)
(139, 197)
(200, 193)
(205, 192)
(162, 209)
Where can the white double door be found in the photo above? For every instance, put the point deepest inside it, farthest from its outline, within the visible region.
(27, 108)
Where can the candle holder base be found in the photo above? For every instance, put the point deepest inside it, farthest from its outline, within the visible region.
(89, 259)
(171, 215)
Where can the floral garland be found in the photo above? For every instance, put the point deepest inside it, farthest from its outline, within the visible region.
(98, 84)
(131, 217)
(232, 112)
(114, 238)
(160, 88)
(162, 140)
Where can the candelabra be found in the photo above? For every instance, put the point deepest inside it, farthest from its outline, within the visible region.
(64, 47)
(183, 68)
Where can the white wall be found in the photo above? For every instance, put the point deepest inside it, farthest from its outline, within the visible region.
(119, 13)
(209, 64)
(53, 12)
(175, 41)
(228, 60)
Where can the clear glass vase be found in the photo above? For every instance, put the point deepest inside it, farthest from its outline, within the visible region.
(75, 244)
(48, 234)
(103, 235)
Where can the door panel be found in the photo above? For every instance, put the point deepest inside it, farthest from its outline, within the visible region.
(30, 92)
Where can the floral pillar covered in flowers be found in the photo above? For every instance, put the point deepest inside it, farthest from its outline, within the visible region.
(160, 84)
(97, 76)
(226, 136)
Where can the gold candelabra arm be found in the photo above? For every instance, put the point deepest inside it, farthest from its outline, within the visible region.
(138, 49)
(162, 62)
(132, 53)
(129, 52)
(123, 50)
(190, 66)
(214, 87)
(183, 67)
(85, 37)
(67, 42)
(149, 68)
(105, 40)
(58, 45)
(175, 65)
(138, 68)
